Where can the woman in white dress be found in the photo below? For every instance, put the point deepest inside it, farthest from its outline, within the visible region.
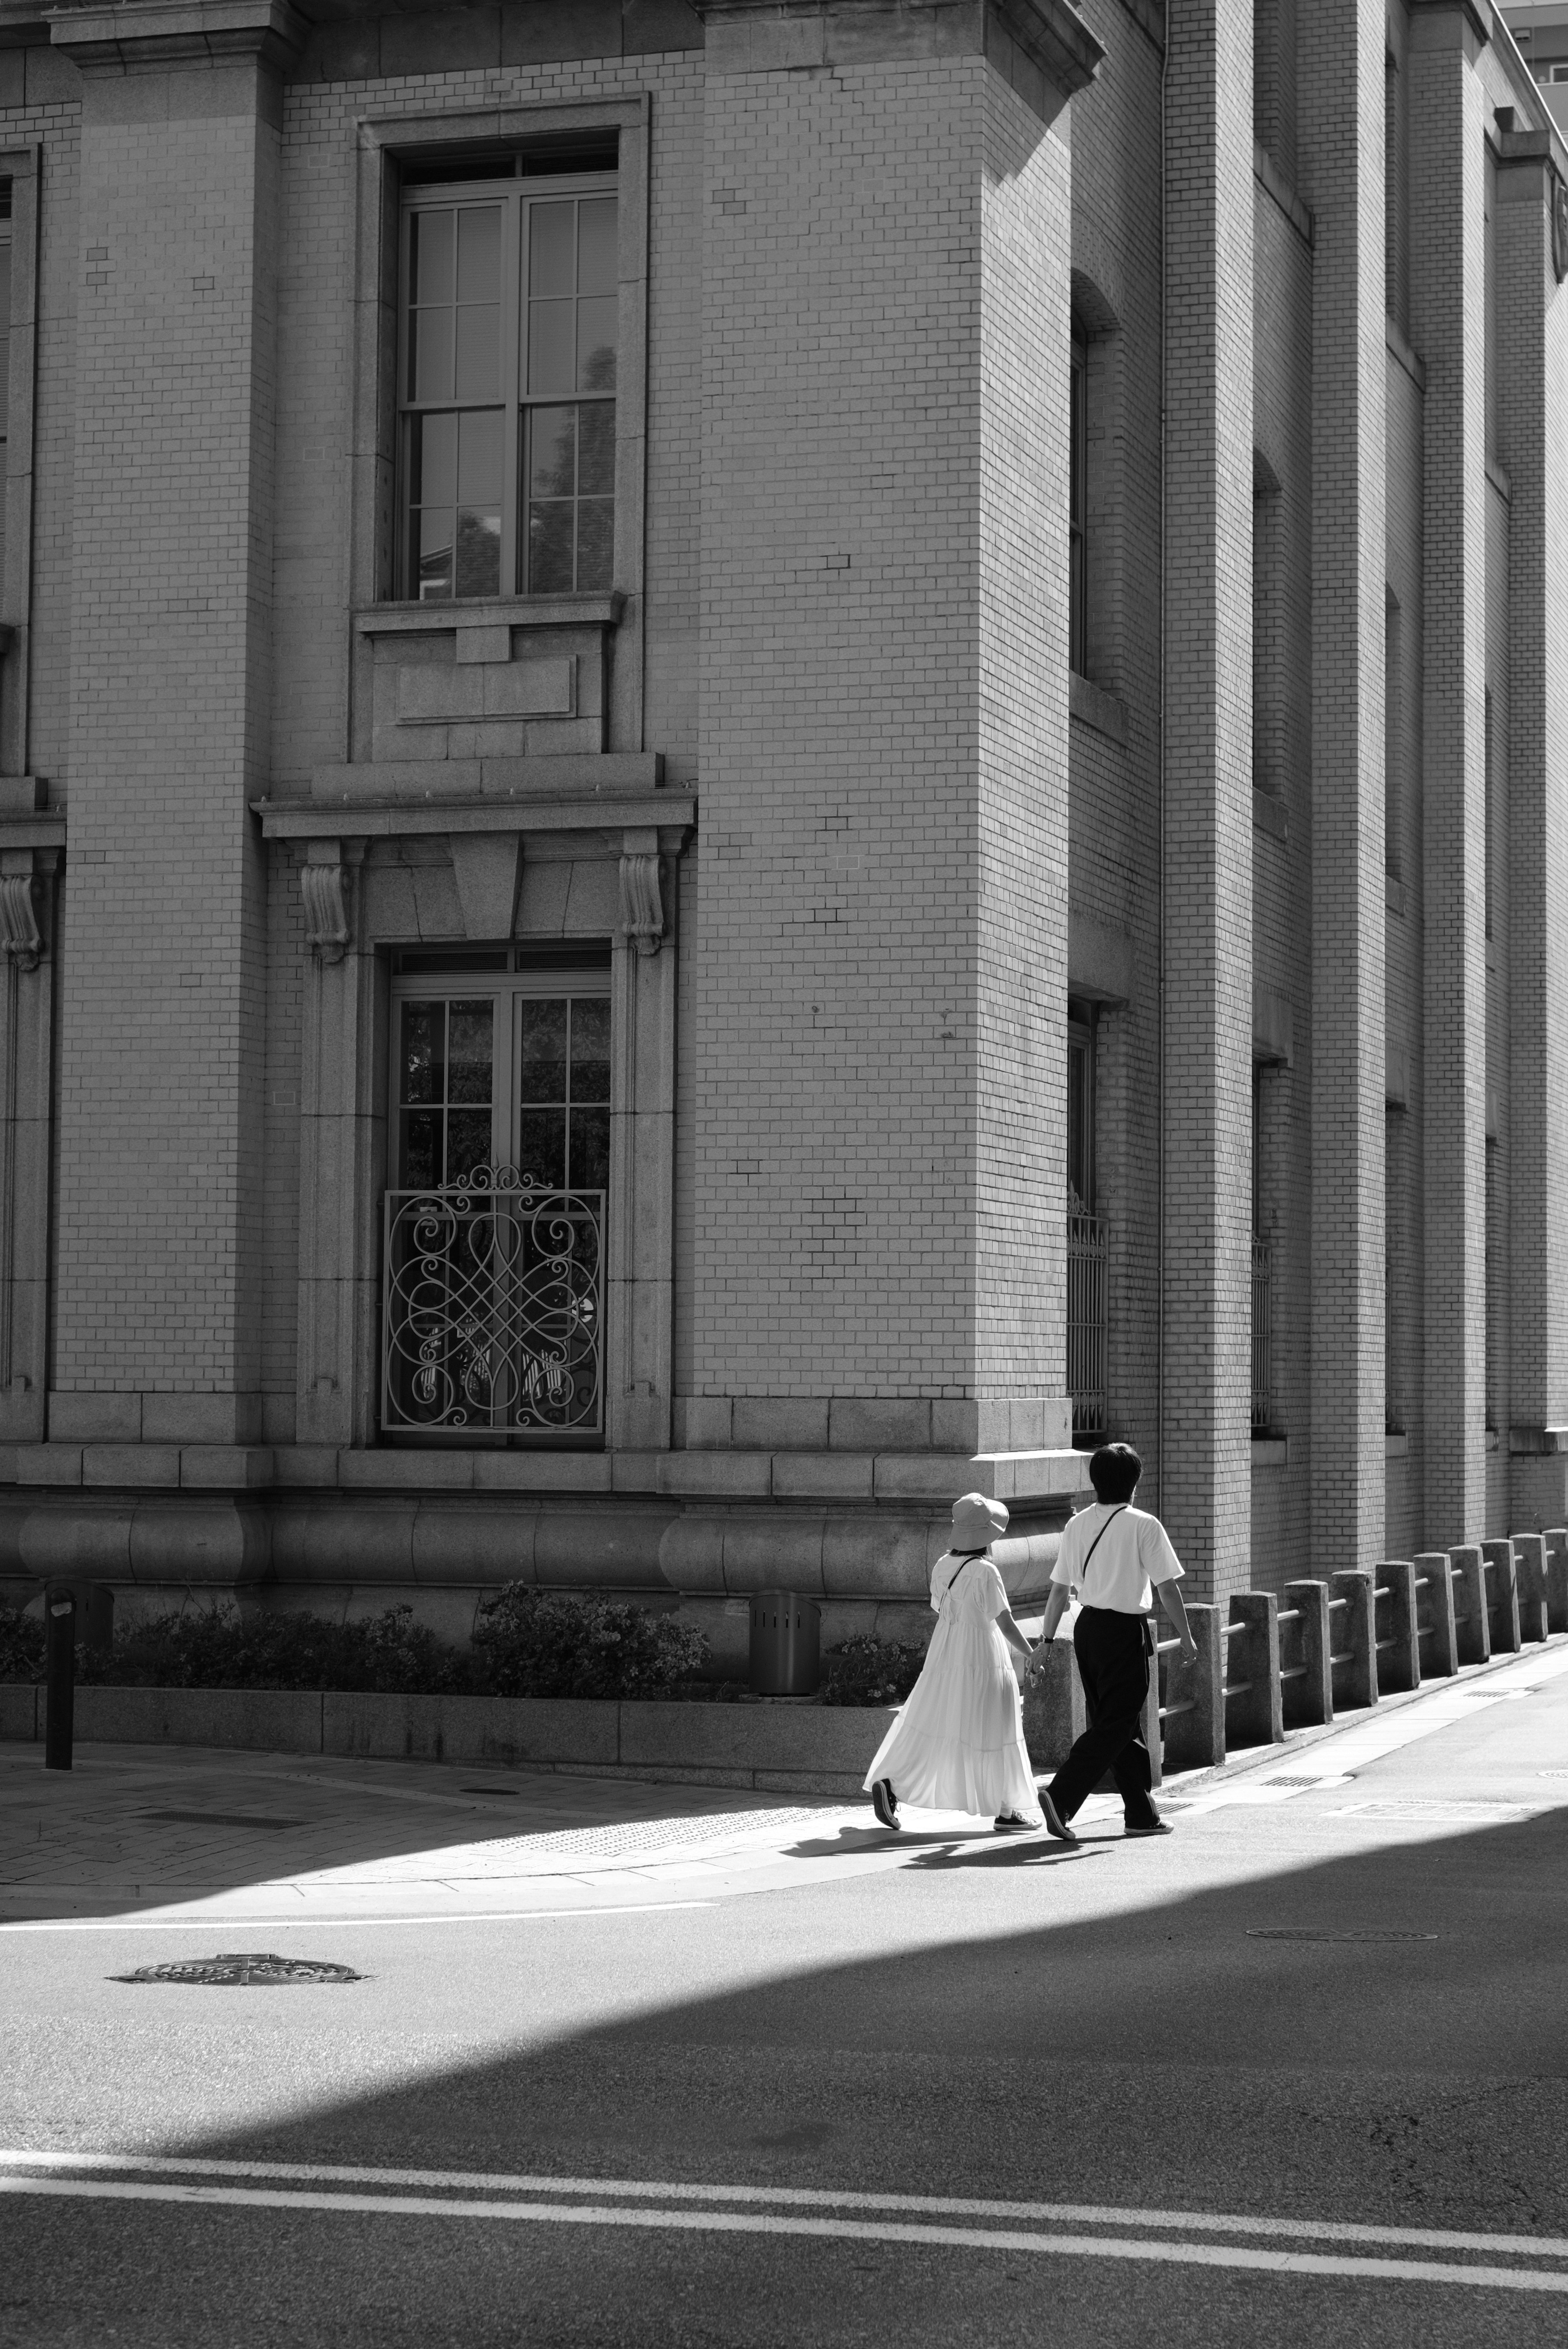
(957, 1743)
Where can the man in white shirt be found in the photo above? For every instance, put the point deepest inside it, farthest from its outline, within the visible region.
(1113, 1554)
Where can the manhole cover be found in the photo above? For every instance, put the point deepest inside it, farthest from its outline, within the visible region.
(221, 1819)
(236, 1968)
(1328, 1933)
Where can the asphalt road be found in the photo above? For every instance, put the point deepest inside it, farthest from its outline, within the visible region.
(1141, 2116)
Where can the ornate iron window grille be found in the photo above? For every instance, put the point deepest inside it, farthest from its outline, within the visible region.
(1085, 1320)
(1262, 1338)
(492, 1309)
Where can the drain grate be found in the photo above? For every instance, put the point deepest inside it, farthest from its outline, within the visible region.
(1297, 1782)
(513, 1791)
(238, 1969)
(1329, 1933)
(222, 1819)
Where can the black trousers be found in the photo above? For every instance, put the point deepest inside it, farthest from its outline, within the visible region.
(1113, 1664)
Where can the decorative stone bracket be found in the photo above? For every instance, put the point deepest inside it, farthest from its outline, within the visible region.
(19, 930)
(641, 898)
(326, 885)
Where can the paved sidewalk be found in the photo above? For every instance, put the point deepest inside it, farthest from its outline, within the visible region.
(164, 1835)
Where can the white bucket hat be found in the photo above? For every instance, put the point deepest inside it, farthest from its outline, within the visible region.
(977, 1521)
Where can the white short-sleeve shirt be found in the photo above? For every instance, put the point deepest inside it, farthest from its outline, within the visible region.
(1133, 1550)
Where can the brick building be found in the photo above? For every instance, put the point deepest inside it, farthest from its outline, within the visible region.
(754, 755)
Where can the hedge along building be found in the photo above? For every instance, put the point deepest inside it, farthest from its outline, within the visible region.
(607, 981)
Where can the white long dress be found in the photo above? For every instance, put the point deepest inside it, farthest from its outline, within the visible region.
(957, 1743)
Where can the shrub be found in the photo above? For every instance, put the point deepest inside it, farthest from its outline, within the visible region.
(217, 1647)
(538, 1643)
(866, 1671)
(21, 1645)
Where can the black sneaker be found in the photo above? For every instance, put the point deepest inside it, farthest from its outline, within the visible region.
(1055, 1823)
(1009, 1823)
(884, 1803)
(1146, 1826)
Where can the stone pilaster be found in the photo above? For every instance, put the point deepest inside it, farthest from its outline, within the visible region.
(1447, 325)
(880, 969)
(1205, 1488)
(1341, 162)
(1532, 398)
(158, 1327)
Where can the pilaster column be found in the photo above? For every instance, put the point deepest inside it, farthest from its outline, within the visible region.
(160, 1253)
(30, 868)
(1205, 1467)
(1447, 324)
(1532, 375)
(1342, 179)
(342, 1153)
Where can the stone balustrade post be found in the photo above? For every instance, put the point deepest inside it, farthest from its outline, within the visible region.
(1435, 1591)
(1307, 1688)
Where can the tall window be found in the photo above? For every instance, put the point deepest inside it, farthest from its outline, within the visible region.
(493, 1252)
(1393, 734)
(4, 356)
(1487, 798)
(1396, 1270)
(506, 379)
(1081, 1109)
(1078, 512)
(1086, 1286)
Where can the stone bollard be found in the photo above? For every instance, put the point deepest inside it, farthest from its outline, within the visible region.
(1354, 1637)
(1400, 1646)
(1054, 1714)
(1306, 1689)
(1435, 1590)
(1501, 1585)
(1556, 1540)
(1195, 1698)
(1253, 1708)
(1470, 1612)
(1530, 1566)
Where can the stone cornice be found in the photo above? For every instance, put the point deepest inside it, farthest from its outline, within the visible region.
(136, 36)
(774, 35)
(1477, 14)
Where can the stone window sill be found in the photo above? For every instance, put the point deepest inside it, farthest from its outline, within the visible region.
(1394, 895)
(1396, 1444)
(1092, 706)
(492, 611)
(1271, 1451)
(1269, 815)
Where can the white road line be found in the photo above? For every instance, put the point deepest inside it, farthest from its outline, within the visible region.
(1085, 2214)
(211, 1921)
(732, 2222)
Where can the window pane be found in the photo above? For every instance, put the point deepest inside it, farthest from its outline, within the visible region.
(543, 1071)
(550, 254)
(595, 544)
(424, 1030)
(435, 533)
(431, 257)
(478, 553)
(479, 253)
(479, 351)
(595, 247)
(595, 425)
(432, 450)
(552, 453)
(596, 345)
(478, 459)
(467, 1142)
(430, 354)
(550, 550)
(552, 362)
(422, 1149)
(470, 1051)
(590, 1048)
(591, 1149)
(541, 1145)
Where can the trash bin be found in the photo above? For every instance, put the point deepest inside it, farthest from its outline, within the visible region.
(785, 1642)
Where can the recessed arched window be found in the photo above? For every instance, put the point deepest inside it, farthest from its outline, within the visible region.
(1079, 509)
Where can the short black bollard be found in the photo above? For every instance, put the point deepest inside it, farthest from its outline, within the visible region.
(59, 1674)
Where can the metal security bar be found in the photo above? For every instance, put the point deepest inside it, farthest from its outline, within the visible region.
(1262, 1338)
(1086, 1321)
(493, 1310)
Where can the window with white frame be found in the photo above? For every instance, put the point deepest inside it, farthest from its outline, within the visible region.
(506, 385)
(496, 1221)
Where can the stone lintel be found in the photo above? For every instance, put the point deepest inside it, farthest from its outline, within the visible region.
(671, 813)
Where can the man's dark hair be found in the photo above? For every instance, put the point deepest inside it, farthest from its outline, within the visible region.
(1114, 1472)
